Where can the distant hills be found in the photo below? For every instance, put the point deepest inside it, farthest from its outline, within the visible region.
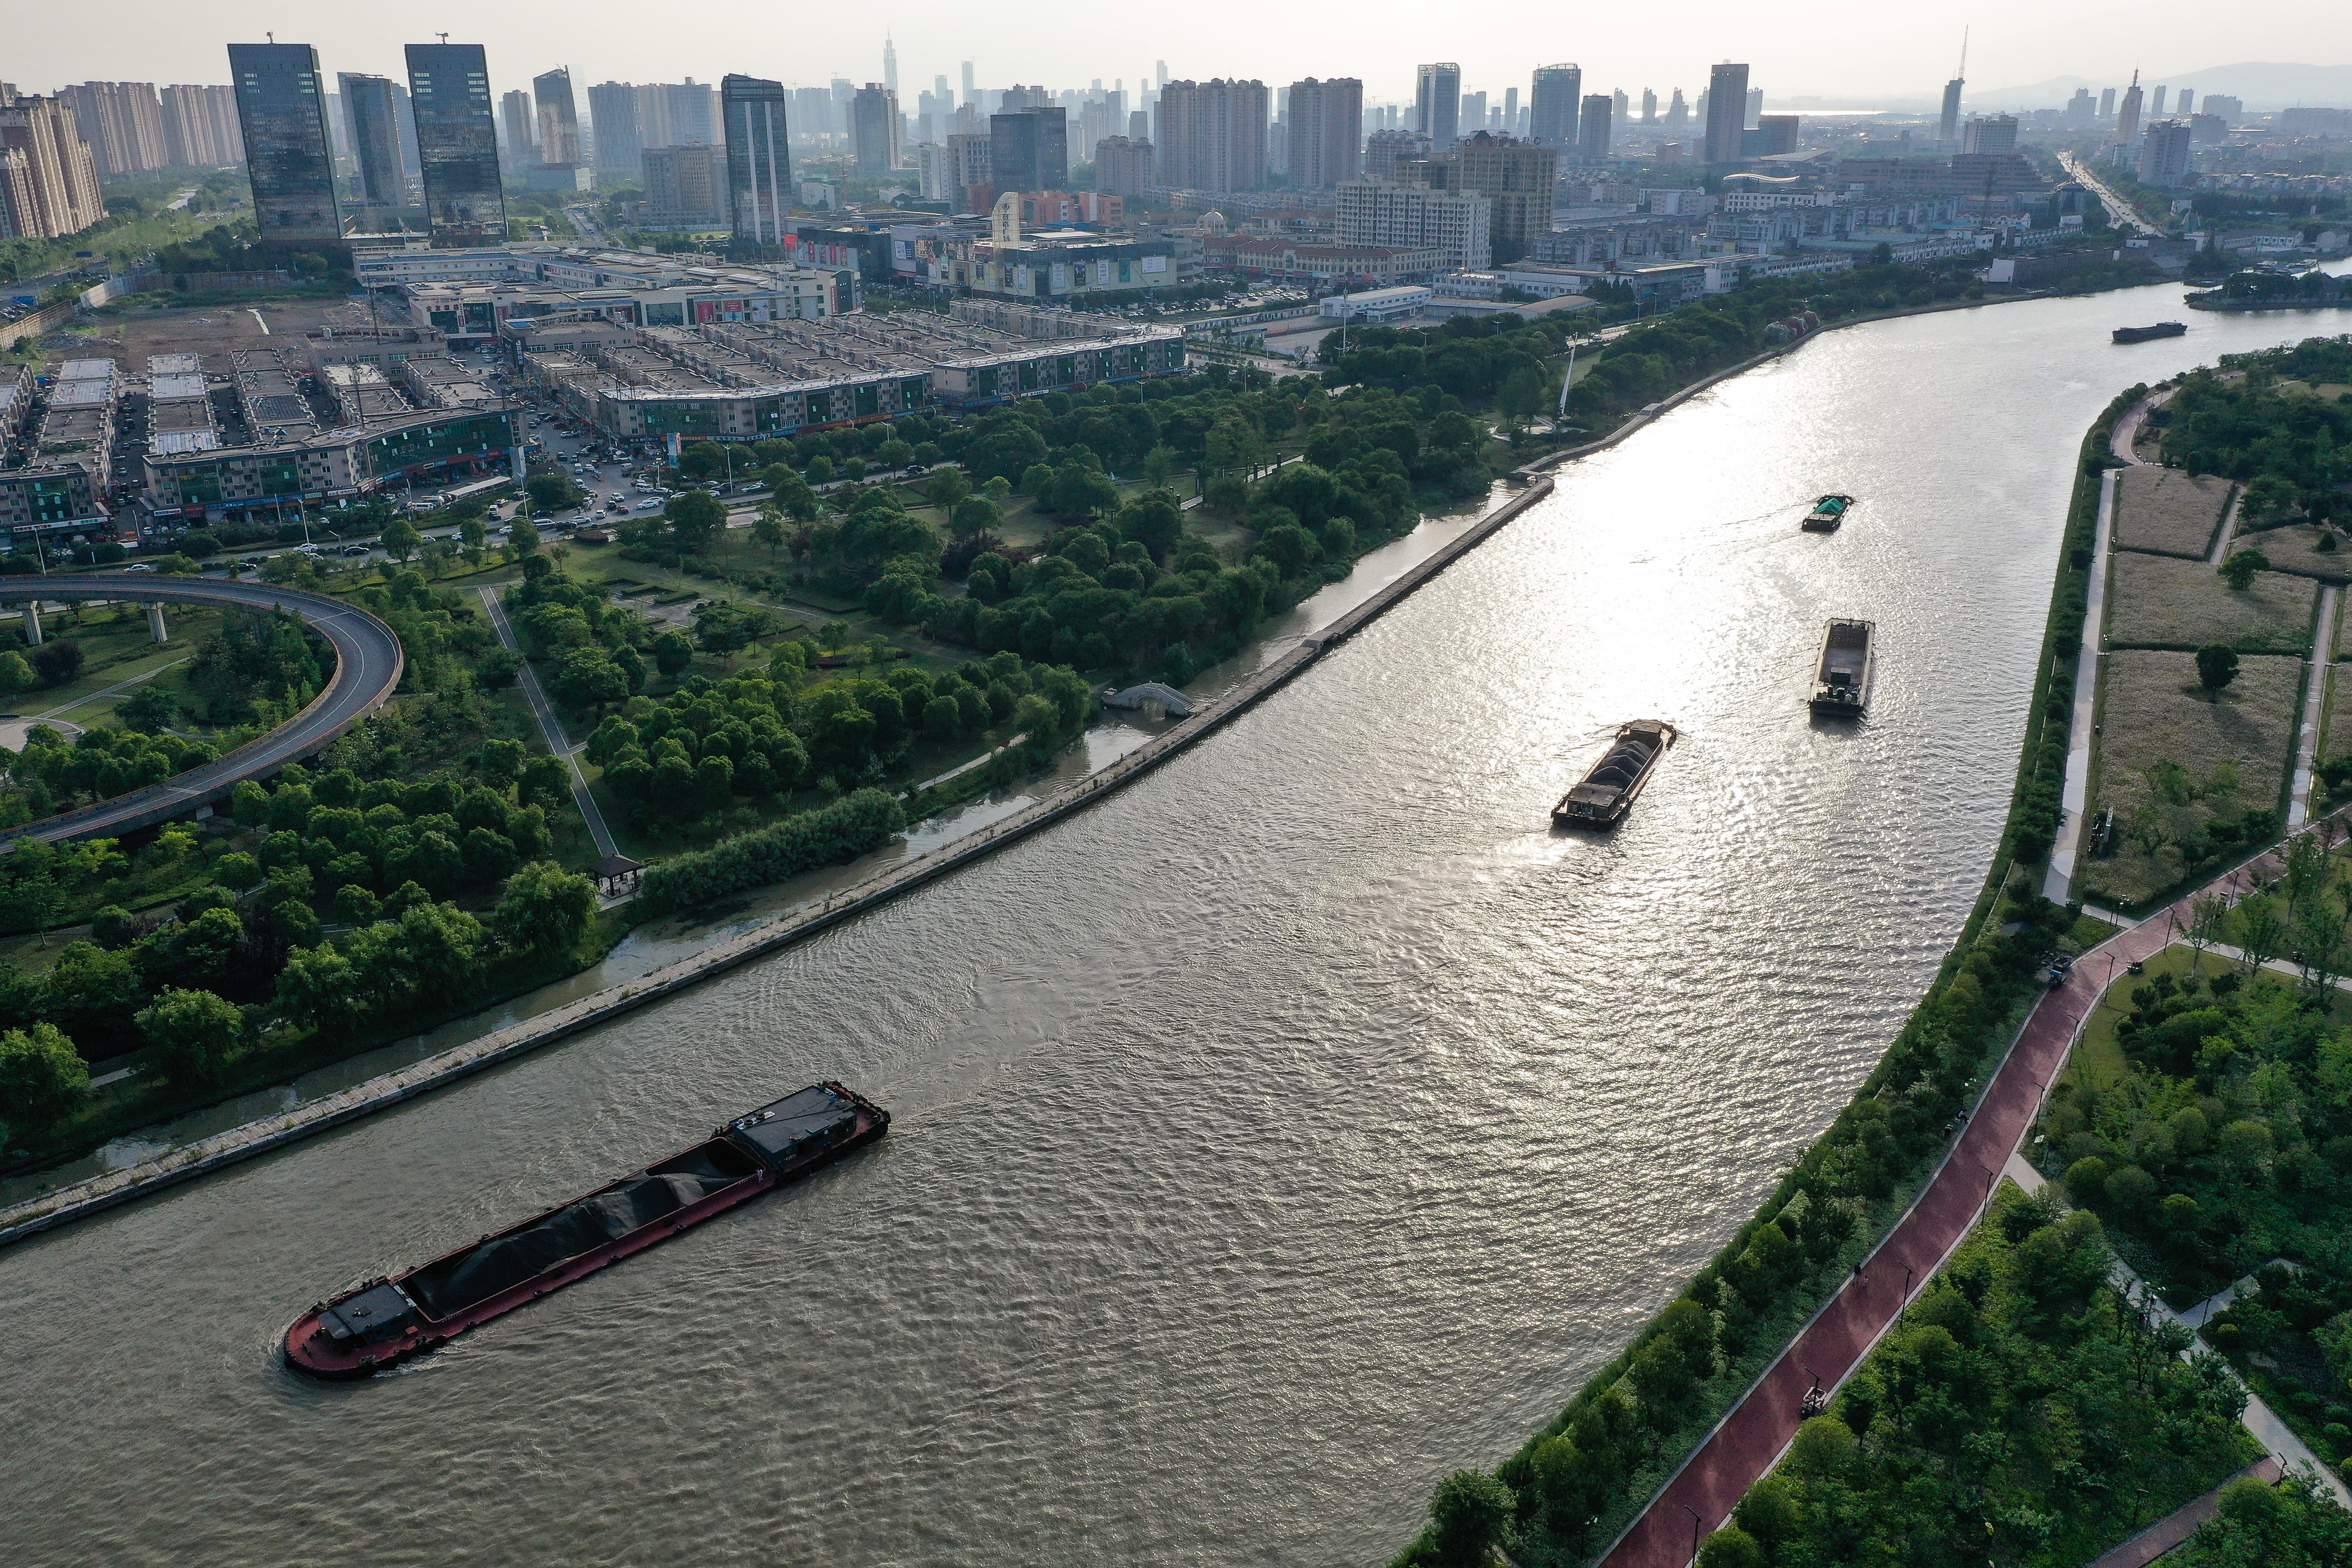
(2259, 84)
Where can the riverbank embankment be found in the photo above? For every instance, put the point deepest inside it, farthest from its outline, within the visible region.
(260, 1137)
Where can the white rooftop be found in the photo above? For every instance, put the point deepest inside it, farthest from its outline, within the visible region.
(168, 388)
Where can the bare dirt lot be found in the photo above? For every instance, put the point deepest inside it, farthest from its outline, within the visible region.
(2153, 718)
(132, 333)
(2166, 602)
(2167, 510)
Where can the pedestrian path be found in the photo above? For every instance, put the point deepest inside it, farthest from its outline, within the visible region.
(2314, 700)
(550, 726)
(2229, 531)
(1750, 1438)
(2082, 731)
(2177, 1527)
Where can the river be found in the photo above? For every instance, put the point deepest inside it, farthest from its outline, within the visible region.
(1297, 1125)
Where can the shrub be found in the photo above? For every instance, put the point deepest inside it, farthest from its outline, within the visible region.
(848, 827)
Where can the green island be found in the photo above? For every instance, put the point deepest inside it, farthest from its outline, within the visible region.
(2203, 1129)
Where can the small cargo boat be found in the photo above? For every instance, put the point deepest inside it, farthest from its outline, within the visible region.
(1849, 654)
(2142, 334)
(1607, 792)
(388, 1319)
(1827, 513)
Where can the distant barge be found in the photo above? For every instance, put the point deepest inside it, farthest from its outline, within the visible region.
(1827, 513)
(1608, 792)
(1849, 656)
(2141, 334)
(387, 1320)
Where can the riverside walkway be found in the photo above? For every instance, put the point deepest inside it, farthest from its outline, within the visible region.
(1747, 1442)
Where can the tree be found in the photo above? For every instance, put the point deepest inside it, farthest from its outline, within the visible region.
(1158, 468)
(1731, 1547)
(58, 661)
(498, 670)
(500, 761)
(552, 491)
(694, 519)
(673, 654)
(768, 530)
(16, 672)
(42, 1077)
(191, 1034)
(793, 493)
(149, 710)
(546, 909)
(973, 515)
(473, 535)
(2217, 663)
(2240, 569)
(400, 539)
(947, 488)
(1467, 1517)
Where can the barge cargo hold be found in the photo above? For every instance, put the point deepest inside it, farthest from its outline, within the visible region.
(2142, 334)
(1607, 792)
(387, 1320)
(1827, 513)
(1849, 657)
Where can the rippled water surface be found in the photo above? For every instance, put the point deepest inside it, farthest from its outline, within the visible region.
(1297, 1125)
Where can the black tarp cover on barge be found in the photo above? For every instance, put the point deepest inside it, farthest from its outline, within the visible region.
(503, 1262)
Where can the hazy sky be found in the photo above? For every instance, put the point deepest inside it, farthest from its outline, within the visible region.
(1852, 48)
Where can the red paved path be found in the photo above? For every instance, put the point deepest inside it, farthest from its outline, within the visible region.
(1744, 1447)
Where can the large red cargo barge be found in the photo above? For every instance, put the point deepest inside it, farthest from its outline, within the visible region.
(388, 1319)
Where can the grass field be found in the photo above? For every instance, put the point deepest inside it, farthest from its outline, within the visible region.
(2164, 603)
(2296, 549)
(2152, 712)
(2169, 511)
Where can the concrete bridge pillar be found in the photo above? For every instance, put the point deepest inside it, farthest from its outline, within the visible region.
(33, 623)
(156, 631)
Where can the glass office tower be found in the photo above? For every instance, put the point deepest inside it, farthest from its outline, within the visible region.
(281, 110)
(759, 157)
(457, 142)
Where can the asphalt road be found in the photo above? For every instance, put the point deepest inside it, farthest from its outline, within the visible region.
(368, 665)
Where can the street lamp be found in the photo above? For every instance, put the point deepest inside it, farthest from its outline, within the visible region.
(1695, 1526)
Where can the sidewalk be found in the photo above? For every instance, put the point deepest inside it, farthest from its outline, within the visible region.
(552, 728)
(2177, 1527)
(1750, 1439)
(2058, 885)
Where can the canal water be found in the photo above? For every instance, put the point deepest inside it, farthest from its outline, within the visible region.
(1303, 1121)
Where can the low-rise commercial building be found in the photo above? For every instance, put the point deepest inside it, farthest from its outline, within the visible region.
(1279, 258)
(751, 380)
(332, 465)
(1377, 304)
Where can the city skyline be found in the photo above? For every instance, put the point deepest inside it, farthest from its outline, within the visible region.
(1841, 50)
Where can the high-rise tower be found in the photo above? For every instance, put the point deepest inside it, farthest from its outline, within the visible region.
(759, 157)
(1552, 105)
(1437, 100)
(281, 112)
(1727, 110)
(457, 142)
(1948, 130)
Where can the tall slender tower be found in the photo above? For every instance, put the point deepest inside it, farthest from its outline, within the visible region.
(281, 110)
(458, 144)
(890, 63)
(1438, 101)
(759, 157)
(1948, 131)
(1727, 110)
(2128, 114)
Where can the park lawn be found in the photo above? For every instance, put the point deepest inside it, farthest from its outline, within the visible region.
(2169, 511)
(115, 649)
(2295, 549)
(2152, 712)
(2168, 604)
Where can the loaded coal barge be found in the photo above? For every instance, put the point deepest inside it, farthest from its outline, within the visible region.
(388, 1319)
(1607, 792)
(2142, 334)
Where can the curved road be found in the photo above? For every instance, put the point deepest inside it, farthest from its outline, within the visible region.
(368, 664)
